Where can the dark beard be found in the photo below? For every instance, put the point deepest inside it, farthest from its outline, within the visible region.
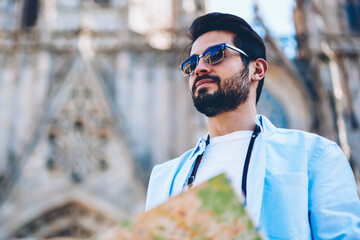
(233, 92)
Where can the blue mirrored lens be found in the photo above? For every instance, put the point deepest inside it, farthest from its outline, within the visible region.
(211, 56)
(189, 65)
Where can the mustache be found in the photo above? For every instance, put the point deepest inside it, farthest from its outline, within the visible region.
(215, 78)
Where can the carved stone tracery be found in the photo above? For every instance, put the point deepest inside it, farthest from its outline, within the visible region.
(80, 129)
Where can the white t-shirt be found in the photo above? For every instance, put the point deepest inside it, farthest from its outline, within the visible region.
(225, 154)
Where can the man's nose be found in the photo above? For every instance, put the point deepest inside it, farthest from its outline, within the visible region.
(202, 67)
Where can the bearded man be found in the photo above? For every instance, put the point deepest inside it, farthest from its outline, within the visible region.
(296, 185)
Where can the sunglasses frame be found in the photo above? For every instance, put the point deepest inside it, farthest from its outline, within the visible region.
(222, 45)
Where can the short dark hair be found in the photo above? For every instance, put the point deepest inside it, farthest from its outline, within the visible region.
(245, 37)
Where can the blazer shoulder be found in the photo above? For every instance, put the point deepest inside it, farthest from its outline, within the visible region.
(296, 137)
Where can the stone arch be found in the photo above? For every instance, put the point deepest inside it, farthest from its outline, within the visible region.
(73, 215)
(72, 219)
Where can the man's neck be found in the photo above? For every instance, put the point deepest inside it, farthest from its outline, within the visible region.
(241, 119)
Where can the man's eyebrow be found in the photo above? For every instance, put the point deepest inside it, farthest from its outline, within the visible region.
(194, 55)
(203, 51)
(209, 47)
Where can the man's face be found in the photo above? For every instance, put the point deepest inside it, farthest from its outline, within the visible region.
(221, 87)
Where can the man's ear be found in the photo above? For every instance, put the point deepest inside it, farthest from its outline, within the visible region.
(258, 70)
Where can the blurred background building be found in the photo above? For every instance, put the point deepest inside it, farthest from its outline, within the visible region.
(91, 98)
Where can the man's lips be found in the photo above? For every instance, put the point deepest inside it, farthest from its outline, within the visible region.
(204, 81)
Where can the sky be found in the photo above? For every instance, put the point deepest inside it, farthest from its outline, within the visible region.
(277, 15)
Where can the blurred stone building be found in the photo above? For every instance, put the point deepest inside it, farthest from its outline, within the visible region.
(91, 98)
(328, 36)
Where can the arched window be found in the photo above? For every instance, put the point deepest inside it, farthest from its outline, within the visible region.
(30, 13)
(353, 15)
(270, 107)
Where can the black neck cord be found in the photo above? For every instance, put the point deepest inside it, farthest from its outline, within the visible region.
(246, 164)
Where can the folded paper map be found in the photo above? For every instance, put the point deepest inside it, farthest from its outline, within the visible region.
(208, 211)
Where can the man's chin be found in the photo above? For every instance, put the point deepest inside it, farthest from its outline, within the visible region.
(209, 111)
(202, 92)
(212, 104)
(206, 103)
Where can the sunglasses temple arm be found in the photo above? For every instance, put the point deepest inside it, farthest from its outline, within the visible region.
(237, 49)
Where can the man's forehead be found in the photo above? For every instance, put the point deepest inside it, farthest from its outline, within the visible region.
(210, 39)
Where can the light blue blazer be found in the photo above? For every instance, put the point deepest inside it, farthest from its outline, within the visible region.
(299, 185)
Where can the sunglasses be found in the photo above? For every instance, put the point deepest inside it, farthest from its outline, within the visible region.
(212, 55)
